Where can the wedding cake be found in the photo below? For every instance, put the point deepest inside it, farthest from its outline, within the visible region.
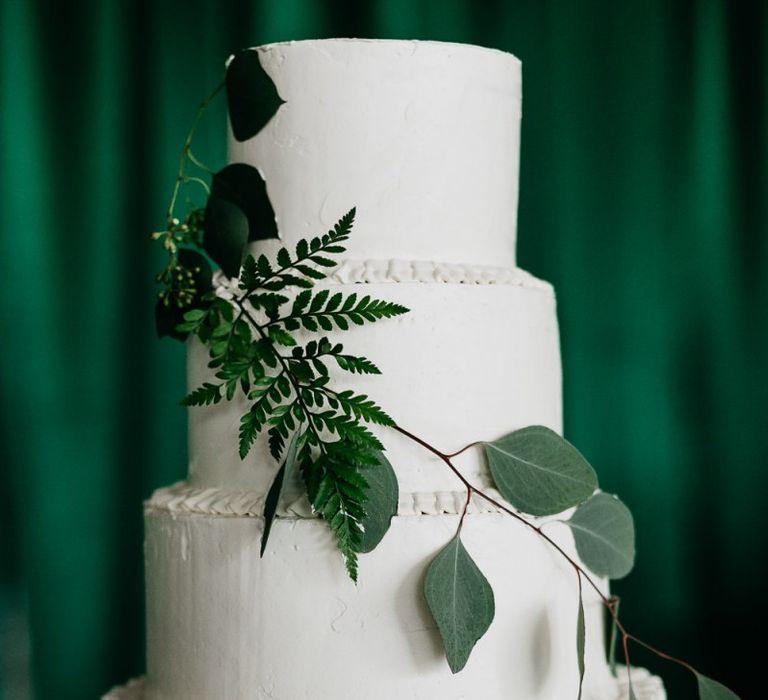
(423, 139)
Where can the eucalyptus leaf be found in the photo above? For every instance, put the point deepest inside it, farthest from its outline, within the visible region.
(252, 98)
(604, 534)
(461, 601)
(580, 639)
(539, 472)
(712, 690)
(242, 185)
(282, 477)
(226, 233)
(381, 504)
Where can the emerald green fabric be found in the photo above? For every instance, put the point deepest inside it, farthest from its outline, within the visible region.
(643, 199)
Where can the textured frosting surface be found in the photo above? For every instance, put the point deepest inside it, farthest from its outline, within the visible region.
(422, 137)
(223, 622)
(469, 362)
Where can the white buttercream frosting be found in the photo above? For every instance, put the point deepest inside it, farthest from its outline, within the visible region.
(422, 137)
(350, 271)
(468, 362)
(183, 498)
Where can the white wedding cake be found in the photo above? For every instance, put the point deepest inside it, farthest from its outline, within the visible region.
(423, 139)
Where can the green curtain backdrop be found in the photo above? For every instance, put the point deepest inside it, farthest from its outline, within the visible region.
(643, 199)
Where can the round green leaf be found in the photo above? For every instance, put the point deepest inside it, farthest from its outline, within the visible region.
(252, 98)
(605, 535)
(712, 690)
(381, 505)
(539, 472)
(242, 185)
(226, 233)
(461, 601)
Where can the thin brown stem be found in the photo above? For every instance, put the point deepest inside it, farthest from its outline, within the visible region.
(446, 458)
(464, 449)
(464, 511)
(661, 654)
(611, 603)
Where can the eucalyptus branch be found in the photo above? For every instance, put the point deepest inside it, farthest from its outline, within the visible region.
(500, 506)
(610, 603)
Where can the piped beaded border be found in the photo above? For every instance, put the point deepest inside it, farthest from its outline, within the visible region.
(184, 498)
(413, 271)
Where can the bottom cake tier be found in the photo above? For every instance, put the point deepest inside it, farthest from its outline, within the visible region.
(223, 622)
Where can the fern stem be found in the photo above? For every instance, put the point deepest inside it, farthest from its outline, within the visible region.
(240, 301)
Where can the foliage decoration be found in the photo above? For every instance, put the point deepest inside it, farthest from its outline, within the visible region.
(226, 233)
(381, 506)
(539, 472)
(712, 690)
(581, 634)
(282, 477)
(604, 534)
(238, 211)
(261, 346)
(251, 95)
(461, 601)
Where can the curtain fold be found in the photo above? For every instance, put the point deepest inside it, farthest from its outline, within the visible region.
(642, 198)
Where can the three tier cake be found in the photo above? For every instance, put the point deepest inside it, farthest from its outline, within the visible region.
(423, 139)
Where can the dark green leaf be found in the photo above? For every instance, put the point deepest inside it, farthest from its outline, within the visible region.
(318, 300)
(248, 273)
(242, 185)
(580, 639)
(381, 504)
(283, 476)
(354, 364)
(226, 233)
(713, 690)
(461, 601)
(252, 98)
(539, 472)
(203, 396)
(283, 258)
(280, 336)
(612, 642)
(605, 535)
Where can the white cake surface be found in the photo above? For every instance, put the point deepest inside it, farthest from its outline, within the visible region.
(423, 138)
(223, 622)
(469, 362)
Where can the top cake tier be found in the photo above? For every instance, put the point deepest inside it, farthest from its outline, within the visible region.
(422, 137)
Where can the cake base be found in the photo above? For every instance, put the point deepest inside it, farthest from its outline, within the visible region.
(645, 685)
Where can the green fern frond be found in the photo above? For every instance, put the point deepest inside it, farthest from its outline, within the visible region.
(204, 395)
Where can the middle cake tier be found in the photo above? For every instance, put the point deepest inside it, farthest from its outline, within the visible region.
(476, 357)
